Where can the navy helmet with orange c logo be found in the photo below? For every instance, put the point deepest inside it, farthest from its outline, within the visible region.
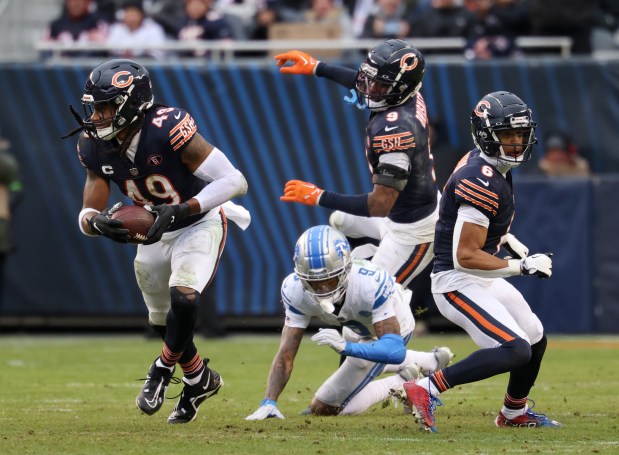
(125, 87)
(500, 111)
(391, 74)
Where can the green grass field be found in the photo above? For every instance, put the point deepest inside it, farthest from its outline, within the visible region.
(75, 395)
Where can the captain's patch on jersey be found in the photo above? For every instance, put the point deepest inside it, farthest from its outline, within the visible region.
(391, 142)
(182, 132)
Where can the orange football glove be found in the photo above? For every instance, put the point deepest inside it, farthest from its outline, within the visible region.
(302, 63)
(301, 192)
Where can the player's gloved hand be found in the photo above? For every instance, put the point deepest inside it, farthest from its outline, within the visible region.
(103, 224)
(302, 63)
(331, 338)
(268, 409)
(302, 192)
(514, 247)
(539, 264)
(166, 215)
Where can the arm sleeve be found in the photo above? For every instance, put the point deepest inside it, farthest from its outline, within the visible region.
(346, 77)
(225, 181)
(389, 348)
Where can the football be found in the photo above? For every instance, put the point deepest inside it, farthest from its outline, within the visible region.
(136, 219)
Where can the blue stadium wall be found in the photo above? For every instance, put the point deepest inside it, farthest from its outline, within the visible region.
(275, 128)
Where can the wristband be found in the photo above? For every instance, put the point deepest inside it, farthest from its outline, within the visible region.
(89, 221)
(269, 402)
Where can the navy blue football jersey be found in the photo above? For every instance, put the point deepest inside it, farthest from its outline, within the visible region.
(156, 175)
(480, 185)
(405, 129)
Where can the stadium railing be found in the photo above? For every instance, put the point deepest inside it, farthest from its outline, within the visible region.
(227, 51)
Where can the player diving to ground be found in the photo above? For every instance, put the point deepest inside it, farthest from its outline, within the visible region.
(377, 324)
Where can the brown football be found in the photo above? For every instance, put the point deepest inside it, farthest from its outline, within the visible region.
(136, 219)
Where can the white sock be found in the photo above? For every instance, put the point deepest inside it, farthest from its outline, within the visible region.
(511, 414)
(194, 381)
(424, 360)
(429, 385)
(375, 392)
(160, 364)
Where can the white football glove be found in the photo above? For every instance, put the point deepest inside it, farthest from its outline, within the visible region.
(539, 264)
(268, 409)
(514, 247)
(330, 337)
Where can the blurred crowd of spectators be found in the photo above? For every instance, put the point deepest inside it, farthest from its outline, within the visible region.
(488, 26)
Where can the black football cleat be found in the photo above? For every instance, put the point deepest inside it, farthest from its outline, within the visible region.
(150, 399)
(193, 396)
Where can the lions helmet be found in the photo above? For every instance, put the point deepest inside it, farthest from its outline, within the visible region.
(124, 85)
(322, 262)
(392, 73)
(500, 111)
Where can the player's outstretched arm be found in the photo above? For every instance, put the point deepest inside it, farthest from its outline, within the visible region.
(377, 203)
(302, 63)
(281, 369)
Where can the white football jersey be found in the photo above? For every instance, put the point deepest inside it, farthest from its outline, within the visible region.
(372, 295)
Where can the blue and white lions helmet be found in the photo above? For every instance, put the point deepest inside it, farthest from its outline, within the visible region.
(322, 263)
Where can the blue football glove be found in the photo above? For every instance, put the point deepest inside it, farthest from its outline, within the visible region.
(267, 410)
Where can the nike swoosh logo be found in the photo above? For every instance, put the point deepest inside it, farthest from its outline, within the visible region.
(484, 182)
(303, 58)
(389, 128)
(153, 403)
(177, 116)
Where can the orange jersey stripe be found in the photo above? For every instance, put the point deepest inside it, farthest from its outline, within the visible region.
(479, 196)
(183, 132)
(482, 189)
(476, 202)
(479, 318)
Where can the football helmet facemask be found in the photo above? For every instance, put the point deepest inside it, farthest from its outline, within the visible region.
(392, 73)
(322, 262)
(125, 87)
(503, 111)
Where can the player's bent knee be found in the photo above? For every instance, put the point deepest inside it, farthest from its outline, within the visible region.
(517, 352)
(184, 301)
(322, 409)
